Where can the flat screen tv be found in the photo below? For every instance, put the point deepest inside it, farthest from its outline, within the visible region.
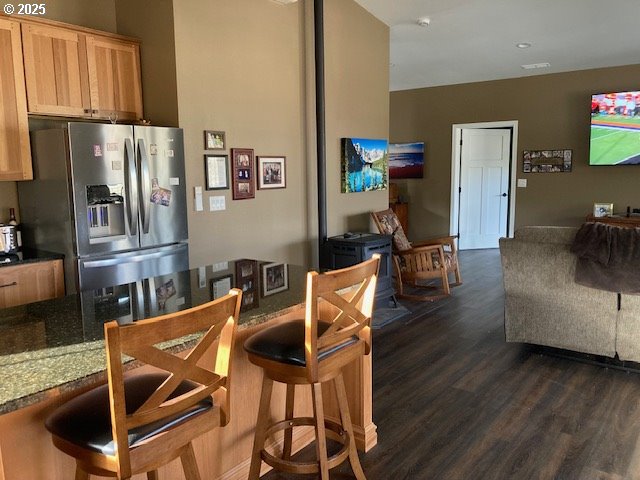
(615, 129)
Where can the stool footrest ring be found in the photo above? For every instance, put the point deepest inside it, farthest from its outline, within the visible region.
(334, 431)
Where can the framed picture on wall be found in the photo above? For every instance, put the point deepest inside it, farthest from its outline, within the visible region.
(214, 140)
(216, 172)
(546, 161)
(365, 165)
(271, 172)
(406, 160)
(242, 170)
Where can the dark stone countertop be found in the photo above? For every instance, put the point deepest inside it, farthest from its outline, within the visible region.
(28, 256)
(59, 343)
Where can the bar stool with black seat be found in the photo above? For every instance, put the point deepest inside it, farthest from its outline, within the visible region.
(137, 424)
(312, 351)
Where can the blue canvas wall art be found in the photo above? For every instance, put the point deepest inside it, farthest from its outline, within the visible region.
(365, 165)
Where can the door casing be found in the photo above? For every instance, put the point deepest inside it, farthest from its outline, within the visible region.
(455, 171)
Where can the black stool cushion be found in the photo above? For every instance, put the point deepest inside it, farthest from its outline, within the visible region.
(85, 420)
(284, 343)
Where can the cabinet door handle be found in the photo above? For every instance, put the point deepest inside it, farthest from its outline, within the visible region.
(13, 284)
(86, 110)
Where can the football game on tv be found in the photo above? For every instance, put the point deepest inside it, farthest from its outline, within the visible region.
(615, 129)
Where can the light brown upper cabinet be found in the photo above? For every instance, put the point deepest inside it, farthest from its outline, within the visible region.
(77, 72)
(114, 78)
(55, 69)
(15, 152)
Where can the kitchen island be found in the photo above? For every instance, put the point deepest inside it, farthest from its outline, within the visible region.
(64, 356)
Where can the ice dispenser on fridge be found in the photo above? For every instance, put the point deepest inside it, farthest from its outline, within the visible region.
(105, 212)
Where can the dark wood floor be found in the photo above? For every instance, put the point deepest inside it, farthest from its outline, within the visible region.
(453, 400)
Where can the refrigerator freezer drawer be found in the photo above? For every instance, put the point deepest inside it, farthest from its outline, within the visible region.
(127, 267)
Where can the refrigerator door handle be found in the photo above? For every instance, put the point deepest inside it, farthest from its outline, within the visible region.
(139, 299)
(145, 181)
(130, 180)
(108, 262)
(150, 292)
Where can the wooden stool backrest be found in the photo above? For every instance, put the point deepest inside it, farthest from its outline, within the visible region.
(344, 298)
(139, 340)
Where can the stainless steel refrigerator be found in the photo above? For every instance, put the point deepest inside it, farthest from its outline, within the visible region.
(112, 198)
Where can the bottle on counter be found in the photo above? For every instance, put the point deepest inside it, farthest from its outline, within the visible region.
(13, 221)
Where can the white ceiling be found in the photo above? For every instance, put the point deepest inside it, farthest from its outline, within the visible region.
(475, 40)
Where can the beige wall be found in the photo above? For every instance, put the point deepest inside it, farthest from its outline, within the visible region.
(552, 112)
(240, 70)
(248, 76)
(98, 14)
(357, 103)
(152, 22)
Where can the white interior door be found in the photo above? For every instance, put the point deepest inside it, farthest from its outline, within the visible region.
(484, 187)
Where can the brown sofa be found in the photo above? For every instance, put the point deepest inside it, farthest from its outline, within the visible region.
(544, 306)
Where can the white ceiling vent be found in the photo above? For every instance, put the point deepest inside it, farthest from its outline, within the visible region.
(284, 2)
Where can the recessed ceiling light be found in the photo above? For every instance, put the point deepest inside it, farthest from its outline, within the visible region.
(532, 66)
(523, 45)
(424, 21)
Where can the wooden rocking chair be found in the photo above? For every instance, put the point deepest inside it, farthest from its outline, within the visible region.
(419, 262)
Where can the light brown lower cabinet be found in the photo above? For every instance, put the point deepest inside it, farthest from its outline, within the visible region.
(31, 282)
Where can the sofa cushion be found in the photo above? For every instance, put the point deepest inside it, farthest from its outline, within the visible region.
(628, 333)
(546, 234)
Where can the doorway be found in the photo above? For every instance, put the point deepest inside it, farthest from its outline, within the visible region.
(483, 176)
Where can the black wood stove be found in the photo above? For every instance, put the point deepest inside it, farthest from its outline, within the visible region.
(351, 248)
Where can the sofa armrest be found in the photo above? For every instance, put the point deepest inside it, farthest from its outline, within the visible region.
(544, 305)
(546, 234)
(628, 333)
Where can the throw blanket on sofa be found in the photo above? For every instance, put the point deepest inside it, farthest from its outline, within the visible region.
(608, 257)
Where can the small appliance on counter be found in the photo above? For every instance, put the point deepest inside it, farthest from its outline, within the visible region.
(8, 239)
